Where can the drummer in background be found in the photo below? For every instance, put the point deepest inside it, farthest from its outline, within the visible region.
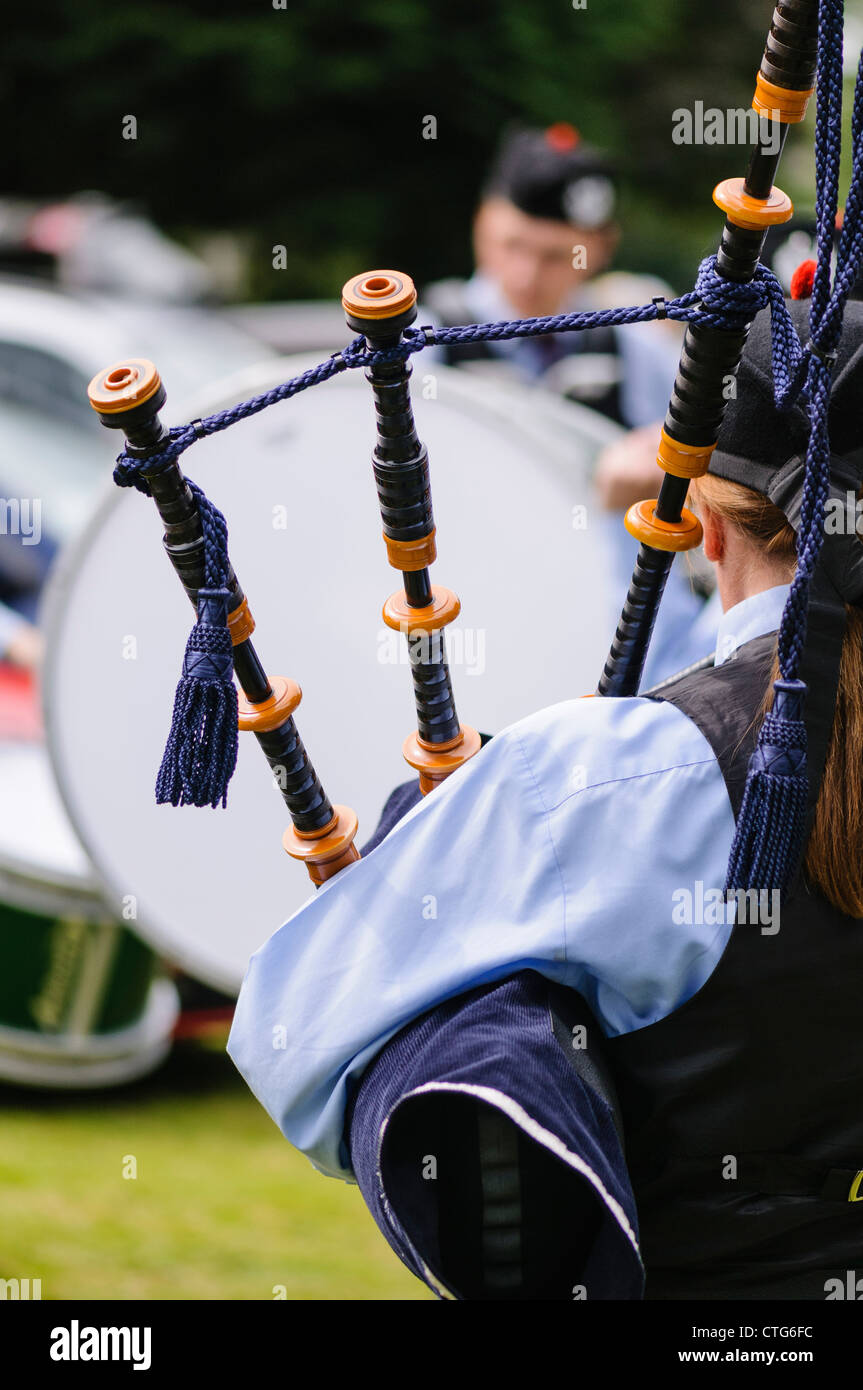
(544, 238)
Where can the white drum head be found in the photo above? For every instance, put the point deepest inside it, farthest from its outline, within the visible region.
(36, 840)
(295, 483)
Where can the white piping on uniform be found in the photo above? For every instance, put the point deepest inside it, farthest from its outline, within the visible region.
(536, 1131)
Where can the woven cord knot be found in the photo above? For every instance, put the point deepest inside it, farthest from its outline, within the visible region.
(730, 304)
(359, 354)
(128, 469)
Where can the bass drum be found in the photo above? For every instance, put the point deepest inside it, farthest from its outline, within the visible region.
(510, 485)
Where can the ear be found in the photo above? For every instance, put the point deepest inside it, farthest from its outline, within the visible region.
(714, 533)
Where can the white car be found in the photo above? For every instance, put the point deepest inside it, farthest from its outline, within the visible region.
(52, 343)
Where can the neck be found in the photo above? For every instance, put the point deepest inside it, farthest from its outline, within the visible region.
(734, 587)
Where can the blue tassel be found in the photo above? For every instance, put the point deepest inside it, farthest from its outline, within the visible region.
(768, 840)
(201, 752)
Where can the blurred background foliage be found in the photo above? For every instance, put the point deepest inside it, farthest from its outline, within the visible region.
(302, 126)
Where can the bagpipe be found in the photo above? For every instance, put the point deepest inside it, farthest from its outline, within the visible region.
(322, 835)
(380, 308)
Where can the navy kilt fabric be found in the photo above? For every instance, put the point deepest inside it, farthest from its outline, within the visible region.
(487, 1149)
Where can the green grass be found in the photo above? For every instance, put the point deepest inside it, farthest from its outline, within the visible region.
(222, 1206)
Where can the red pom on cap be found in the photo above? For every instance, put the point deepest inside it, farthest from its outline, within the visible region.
(802, 280)
(562, 136)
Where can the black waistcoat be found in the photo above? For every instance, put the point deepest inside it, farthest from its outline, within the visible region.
(743, 1110)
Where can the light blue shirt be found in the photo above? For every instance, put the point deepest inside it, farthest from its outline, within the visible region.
(562, 847)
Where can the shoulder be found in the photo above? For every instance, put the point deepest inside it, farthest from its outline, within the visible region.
(597, 743)
(549, 773)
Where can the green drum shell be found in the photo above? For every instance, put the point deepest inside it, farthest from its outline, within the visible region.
(67, 967)
(82, 1004)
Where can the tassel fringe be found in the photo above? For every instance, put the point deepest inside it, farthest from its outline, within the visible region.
(201, 751)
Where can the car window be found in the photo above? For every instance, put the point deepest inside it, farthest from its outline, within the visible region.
(41, 379)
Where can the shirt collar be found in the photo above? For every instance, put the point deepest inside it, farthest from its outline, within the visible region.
(752, 617)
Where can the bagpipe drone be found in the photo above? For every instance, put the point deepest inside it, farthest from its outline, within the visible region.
(805, 39)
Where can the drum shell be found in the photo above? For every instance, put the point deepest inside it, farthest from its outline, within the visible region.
(80, 1001)
(47, 953)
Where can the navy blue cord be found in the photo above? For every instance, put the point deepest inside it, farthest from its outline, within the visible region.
(714, 302)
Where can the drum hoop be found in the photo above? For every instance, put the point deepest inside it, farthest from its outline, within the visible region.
(51, 895)
(64, 1062)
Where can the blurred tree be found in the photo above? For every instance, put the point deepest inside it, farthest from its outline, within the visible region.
(304, 124)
